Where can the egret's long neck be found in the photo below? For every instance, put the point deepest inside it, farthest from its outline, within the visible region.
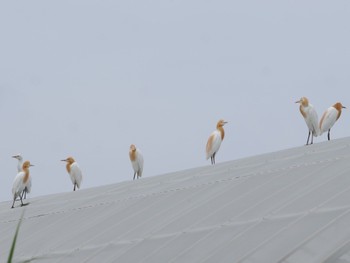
(339, 113)
(222, 132)
(338, 107)
(132, 154)
(26, 175)
(301, 108)
(20, 165)
(68, 167)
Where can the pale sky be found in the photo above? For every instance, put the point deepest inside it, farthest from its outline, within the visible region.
(88, 78)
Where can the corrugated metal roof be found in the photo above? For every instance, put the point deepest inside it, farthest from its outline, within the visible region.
(288, 206)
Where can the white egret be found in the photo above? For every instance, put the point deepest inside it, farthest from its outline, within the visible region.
(329, 118)
(21, 182)
(214, 141)
(19, 169)
(136, 159)
(311, 118)
(74, 172)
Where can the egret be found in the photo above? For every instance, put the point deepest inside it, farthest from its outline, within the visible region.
(136, 159)
(20, 182)
(214, 141)
(310, 116)
(74, 172)
(19, 169)
(330, 116)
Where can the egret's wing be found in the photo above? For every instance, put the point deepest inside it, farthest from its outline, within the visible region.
(18, 186)
(76, 174)
(328, 119)
(135, 165)
(140, 161)
(213, 143)
(29, 184)
(313, 121)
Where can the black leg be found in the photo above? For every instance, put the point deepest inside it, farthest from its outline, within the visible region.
(329, 134)
(24, 193)
(134, 175)
(21, 200)
(13, 204)
(74, 187)
(312, 138)
(214, 158)
(308, 137)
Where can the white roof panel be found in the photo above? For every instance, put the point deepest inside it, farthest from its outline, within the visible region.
(287, 206)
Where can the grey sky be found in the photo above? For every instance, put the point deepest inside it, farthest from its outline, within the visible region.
(88, 78)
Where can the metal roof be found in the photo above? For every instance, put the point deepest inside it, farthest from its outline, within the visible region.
(287, 206)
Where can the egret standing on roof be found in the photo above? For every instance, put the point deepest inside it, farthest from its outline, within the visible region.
(20, 182)
(74, 172)
(328, 119)
(20, 169)
(136, 159)
(214, 141)
(311, 118)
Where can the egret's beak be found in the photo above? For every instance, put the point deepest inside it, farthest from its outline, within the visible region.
(343, 107)
(65, 160)
(297, 101)
(31, 165)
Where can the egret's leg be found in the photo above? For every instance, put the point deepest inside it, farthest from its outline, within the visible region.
(312, 138)
(13, 204)
(24, 193)
(308, 137)
(21, 200)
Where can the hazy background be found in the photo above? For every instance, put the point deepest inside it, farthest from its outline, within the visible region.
(88, 78)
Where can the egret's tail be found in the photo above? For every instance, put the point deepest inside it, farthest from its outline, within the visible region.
(208, 155)
(317, 131)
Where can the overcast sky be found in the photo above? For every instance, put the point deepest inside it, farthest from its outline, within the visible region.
(88, 78)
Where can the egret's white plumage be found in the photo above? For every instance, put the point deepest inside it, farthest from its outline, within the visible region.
(21, 182)
(329, 118)
(136, 159)
(214, 141)
(74, 172)
(311, 118)
(28, 187)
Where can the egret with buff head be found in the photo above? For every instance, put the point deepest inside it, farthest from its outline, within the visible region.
(215, 140)
(136, 159)
(74, 172)
(329, 118)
